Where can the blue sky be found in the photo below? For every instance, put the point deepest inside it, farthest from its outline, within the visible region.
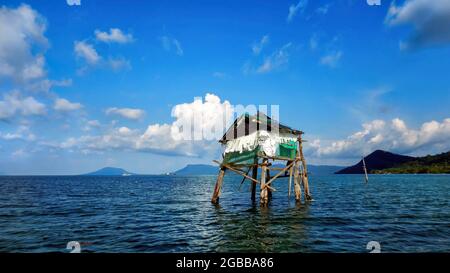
(93, 85)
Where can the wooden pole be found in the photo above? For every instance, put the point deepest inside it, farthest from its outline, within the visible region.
(297, 188)
(269, 191)
(240, 172)
(308, 196)
(254, 176)
(365, 170)
(270, 180)
(218, 187)
(290, 181)
(243, 179)
(264, 200)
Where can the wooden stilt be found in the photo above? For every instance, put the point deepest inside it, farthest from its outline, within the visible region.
(297, 188)
(308, 196)
(290, 181)
(264, 196)
(269, 191)
(218, 187)
(254, 176)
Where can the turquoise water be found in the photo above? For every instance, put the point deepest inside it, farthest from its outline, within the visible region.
(404, 213)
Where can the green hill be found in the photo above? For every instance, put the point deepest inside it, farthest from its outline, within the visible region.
(439, 163)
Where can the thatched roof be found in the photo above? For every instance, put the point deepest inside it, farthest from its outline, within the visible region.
(247, 124)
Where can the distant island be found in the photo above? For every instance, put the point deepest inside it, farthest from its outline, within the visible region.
(378, 162)
(204, 169)
(197, 169)
(383, 162)
(110, 171)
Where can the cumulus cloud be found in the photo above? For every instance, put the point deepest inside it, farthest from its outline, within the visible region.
(22, 43)
(128, 113)
(430, 20)
(46, 85)
(331, 59)
(295, 8)
(276, 60)
(14, 104)
(258, 46)
(395, 136)
(170, 44)
(23, 133)
(115, 35)
(64, 105)
(87, 52)
(193, 132)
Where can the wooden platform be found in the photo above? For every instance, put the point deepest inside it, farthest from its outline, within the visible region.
(295, 168)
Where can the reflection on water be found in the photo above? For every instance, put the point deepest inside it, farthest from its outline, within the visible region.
(405, 213)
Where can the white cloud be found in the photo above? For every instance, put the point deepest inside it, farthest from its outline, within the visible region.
(169, 139)
(279, 58)
(115, 35)
(91, 124)
(87, 52)
(22, 43)
(331, 59)
(64, 105)
(293, 9)
(14, 104)
(257, 47)
(169, 43)
(46, 85)
(394, 136)
(178, 48)
(128, 113)
(430, 19)
(73, 2)
(119, 64)
(22, 133)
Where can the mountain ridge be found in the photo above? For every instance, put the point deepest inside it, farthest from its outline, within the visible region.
(381, 161)
(377, 160)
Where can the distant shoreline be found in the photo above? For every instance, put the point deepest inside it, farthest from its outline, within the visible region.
(190, 175)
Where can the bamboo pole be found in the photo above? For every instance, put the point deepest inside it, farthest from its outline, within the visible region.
(243, 174)
(264, 197)
(269, 191)
(308, 196)
(290, 181)
(243, 179)
(218, 187)
(254, 176)
(280, 173)
(297, 188)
